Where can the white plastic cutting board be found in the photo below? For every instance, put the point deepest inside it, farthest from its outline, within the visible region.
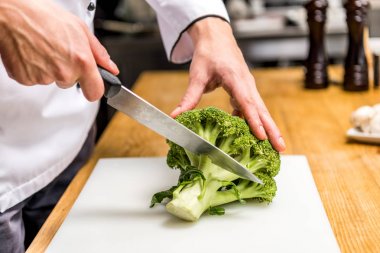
(112, 214)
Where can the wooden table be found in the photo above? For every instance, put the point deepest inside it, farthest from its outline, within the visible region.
(313, 123)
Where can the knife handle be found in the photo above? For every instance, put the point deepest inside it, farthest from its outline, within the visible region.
(112, 83)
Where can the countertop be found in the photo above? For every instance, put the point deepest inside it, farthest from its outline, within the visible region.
(313, 123)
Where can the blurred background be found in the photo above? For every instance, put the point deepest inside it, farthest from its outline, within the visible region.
(269, 32)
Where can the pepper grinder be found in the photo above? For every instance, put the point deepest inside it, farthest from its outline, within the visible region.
(316, 64)
(355, 66)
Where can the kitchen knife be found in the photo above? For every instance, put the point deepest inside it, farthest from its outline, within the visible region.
(124, 100)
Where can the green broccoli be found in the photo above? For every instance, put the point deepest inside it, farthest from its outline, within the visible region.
(203, 185)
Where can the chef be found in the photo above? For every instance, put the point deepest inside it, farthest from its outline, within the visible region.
(47, 123)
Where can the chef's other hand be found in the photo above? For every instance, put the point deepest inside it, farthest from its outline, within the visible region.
(218, 61)
(41, 43)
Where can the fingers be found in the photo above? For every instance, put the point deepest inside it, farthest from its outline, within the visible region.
(87, 73)
(100, 54)
(244, 103)
(252, 116)
(249, 103)
(236, 110)
(262, 124)
(70, 55)
(191, 98)
(90, 79)
(92, 84)
(272, 131)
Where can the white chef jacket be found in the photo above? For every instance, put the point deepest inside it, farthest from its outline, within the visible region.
(43, 127)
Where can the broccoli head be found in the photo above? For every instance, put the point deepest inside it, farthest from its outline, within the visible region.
(203, 185)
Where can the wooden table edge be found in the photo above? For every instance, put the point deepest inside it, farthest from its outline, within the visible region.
(64, 205)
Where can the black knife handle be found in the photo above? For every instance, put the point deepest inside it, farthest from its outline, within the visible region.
(112, 83)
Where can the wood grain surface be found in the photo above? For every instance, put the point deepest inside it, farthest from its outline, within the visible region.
(313, 123)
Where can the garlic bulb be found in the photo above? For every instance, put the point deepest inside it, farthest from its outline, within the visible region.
(367, 119)
(375, 124)
(361, 118)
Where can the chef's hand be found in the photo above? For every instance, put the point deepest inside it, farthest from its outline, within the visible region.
(218, 61)
(41, 43)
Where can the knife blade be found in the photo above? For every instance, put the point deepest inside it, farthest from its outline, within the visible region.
(126, 101)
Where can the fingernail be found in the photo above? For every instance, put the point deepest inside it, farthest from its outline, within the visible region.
(282, 143)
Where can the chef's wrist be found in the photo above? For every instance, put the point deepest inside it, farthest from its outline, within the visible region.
(209, 27)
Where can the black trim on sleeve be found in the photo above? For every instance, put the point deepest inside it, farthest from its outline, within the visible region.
(187, 27)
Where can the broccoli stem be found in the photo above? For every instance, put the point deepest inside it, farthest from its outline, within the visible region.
(257, 164)
(247, 189)
(188, 206)
(223, 197)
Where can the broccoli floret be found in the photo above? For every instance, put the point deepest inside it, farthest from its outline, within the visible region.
(203, 185)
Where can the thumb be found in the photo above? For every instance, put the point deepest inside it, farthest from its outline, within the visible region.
(191, 98)
(100, 54)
